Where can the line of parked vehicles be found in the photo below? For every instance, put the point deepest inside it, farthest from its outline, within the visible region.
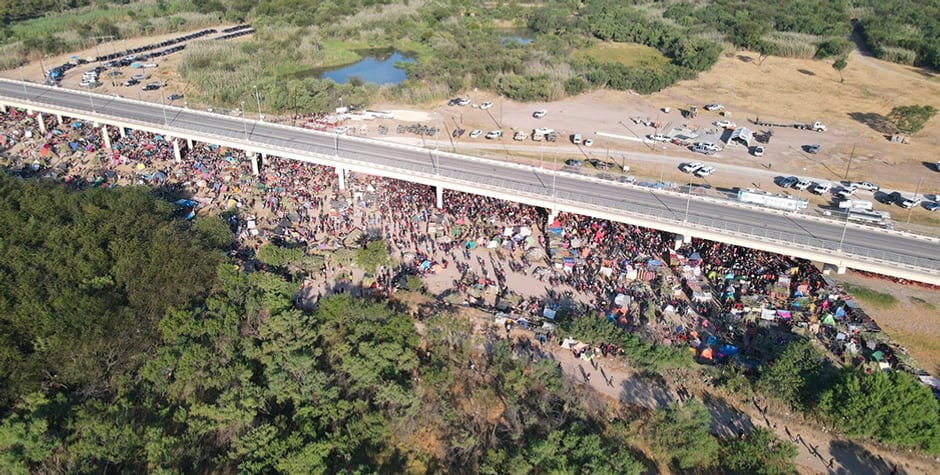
(846, 191)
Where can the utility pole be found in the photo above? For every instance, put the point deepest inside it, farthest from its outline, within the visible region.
(916, 191)
(847, 167)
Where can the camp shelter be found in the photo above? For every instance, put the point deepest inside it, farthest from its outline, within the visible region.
(741, 136)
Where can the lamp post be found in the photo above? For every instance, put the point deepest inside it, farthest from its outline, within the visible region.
(258, 100)
(163, 101)
(845, 227)
(662, 164)
(23, 80)
(244, 122)
(688, 202)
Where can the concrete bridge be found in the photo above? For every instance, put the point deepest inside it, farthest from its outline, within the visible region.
(836, 242)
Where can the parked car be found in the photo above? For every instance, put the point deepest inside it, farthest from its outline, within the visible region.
(576, 139)
(658, 137)
(704, 171)
(845, 191)
(787, 182)
(573, 163)
(463, 102)
(148, 65)
(175, 97)
(714, 107)
(539, 113)
(588, 142)
(931, 205)
(520, 136)
(486, 105)
(891, 198)
(802, 184)
(908, 203)
(822, 187)
(691, 167)
(152, 86)
(454, 101)
(758, 151)
(701, 148)
(865, 185)
(131, 82)
(140, 77)
(812, 148)
(457, 133)
(725, 124)
(494, 134)
(476, 134)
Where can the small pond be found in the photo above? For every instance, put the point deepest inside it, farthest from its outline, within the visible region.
(377, 66)
(518, 36)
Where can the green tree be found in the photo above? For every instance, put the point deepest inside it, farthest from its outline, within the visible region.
(681, 434)
(891, 407)
(759, 453)
(372, 255)
(911, 119)
(796, 376)
(839, 64)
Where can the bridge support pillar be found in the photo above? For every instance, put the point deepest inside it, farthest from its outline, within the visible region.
(105, 137)
(176, 151)
(123, 132)
(682, 239)
(440, 196)
(42, 122)
(58, 118)
(552, 214)
(254, 158)
(341, 173)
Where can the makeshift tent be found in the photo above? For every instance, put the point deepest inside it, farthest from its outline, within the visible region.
(741, 136)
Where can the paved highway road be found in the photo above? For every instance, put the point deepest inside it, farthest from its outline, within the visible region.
(567, 188)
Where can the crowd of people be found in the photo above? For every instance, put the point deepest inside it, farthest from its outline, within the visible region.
(598, 268)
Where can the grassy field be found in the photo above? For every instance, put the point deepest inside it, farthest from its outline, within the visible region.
(871, 297)
(52, 24)
(630, 54)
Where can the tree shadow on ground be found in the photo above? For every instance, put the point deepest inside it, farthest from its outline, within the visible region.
(873, 120)
(745, 59)
(850, 458)
(644, 392)
(727, 421)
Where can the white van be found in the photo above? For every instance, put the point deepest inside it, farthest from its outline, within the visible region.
(576, 139)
